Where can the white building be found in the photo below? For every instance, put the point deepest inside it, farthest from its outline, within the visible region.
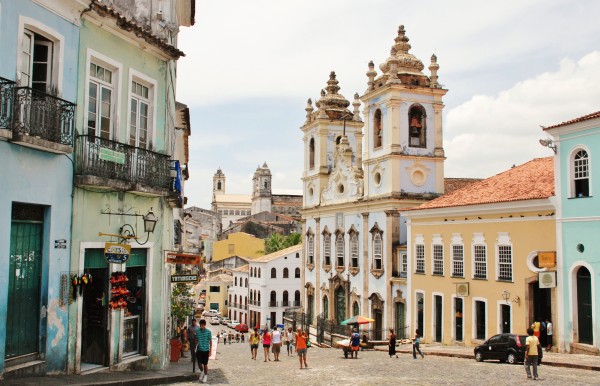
(266, 288)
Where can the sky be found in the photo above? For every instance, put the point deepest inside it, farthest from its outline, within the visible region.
(510, 66)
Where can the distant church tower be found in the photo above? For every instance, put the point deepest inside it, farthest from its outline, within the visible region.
(218, 186)
(261, 190)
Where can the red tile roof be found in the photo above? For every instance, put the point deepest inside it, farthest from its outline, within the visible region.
(580, 119)
(452, 184)
(532, 180)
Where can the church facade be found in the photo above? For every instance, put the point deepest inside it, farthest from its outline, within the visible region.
(358, 173)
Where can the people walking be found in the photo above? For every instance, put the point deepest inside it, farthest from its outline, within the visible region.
(192, 338)
(289, 339)
(549, 333)
(354, 344)
(266, 340)
(276, 341)
(203, 350)
(254, 340)
(531, 354)
(392, 344)
(417, 344)
(300, 339)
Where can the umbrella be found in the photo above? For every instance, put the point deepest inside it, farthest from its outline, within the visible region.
(357, 319)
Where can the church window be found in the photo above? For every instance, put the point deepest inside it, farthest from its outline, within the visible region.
(354, 250)
(416, 126)
(377, 251)
(581, 176)
(377, 130)
(219, 185)
(311, 153)
(311, 248)
(327, 249)
(339, 249)
(266, 185)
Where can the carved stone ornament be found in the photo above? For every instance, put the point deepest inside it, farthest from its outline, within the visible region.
(353, 270)
(377, 272)
(310, 266)
(339, 269)
(310, 289)
(326, 268)
(418, 173)
(376, 301)
(398, 298)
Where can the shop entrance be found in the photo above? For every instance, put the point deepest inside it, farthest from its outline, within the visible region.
(438, 317)
(94, 319)
(541, 302)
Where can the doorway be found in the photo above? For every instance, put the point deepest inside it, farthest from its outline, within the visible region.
(400, 321)
(378, 316)
(458, 319)
(541, 303)
(437, 299)
(505, 318)
(94, 320)
(24, 278)
(584, 306)
(340, 305)
(420, 305)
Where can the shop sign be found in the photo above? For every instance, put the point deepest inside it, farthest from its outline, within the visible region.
(184, 278)
(547, 279)
(117, 253)
(182, 258)
(60, 244)
(547, 259)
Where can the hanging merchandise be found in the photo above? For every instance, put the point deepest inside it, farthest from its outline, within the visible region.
(75, 283)
(119, 291)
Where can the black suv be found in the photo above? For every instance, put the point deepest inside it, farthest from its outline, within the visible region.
(505, 348)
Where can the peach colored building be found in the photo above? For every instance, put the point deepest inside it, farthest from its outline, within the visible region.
(473, 257)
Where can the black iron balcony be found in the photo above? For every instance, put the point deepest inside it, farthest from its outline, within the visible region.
(7, 88)
(42, 120)
(106, 164)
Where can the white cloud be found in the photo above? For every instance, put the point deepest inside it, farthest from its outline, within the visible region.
(488, 134)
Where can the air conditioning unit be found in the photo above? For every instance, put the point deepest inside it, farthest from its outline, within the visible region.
(547, 279)
(462, 289)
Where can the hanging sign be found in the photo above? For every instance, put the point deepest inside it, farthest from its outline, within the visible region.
(117, 253)
(547, 259)
(181, 258)
(184, 278)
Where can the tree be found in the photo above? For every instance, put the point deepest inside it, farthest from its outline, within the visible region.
(276, 242)
(182, 300)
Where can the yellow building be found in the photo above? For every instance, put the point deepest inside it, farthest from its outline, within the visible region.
(473, 257)
(238, 244)
(216, 292)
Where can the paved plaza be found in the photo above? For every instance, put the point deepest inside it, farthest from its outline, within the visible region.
(329, 367)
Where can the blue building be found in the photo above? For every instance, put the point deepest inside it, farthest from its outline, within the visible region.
(38, 74)
(577, 165)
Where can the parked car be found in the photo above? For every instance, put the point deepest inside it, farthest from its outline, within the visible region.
(214, 320)
(505, 348)
(225, 320)
(211, 313)
(233, 324)
(242, 327)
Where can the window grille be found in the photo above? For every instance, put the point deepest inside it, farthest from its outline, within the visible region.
(581, 174)
(339, 250)
(438, 259)
(327, 249)
(377, 251)
(354, 251)
(505, 262)
(458, 261)
(480, 260)
(420, 258)
(311, 249)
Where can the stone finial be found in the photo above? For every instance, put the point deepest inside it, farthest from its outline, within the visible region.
(371, 74)
(356, 105)
(433, 67)
(309, 109)
(392, 67)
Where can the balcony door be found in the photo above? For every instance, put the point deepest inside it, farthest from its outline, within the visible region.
(36, 62)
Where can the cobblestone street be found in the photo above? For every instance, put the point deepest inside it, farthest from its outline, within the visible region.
(329, 367)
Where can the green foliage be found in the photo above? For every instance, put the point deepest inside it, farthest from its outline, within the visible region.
(181, 302)
(276, 242)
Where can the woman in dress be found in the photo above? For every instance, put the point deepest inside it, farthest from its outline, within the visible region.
(266, 339)
(392, 343)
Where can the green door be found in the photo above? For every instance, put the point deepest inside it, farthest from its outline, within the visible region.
(340, 305)
(24, 277)
(400, 321)
(584, 306)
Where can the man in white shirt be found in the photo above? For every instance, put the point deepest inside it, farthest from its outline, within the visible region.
(276, 341)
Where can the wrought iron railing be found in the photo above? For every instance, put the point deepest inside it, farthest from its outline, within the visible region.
(7, 88)
(42, 115)
(118, 161)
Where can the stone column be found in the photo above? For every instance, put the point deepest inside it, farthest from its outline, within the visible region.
(366, 272)
(391, 237)
(317, 266)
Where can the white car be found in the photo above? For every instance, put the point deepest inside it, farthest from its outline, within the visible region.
(211, 313)
(214, 320)
(233, 324)
(225, 321)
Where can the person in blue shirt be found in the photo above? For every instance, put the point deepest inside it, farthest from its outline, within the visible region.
(354, 344)
(203, 350)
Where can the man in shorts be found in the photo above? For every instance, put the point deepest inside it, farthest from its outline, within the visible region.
(203, 350)
(354, 344)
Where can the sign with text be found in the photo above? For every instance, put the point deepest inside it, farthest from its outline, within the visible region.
(547, 259)
(117, 253)
(181, 258)
(184, 278)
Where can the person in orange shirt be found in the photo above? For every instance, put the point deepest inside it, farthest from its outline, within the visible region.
(300, 339)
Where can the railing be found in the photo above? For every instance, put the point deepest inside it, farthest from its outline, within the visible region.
(118, 161)
(7, 88)
(42, 115)
(272, 304)
(296, 303)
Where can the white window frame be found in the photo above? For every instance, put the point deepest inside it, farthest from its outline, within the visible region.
(499, 305)
(117, 69)
(311, 248)
(403, 261)
(326, 249)
(353, 250)
(571, 168)
(152, 84)
(433, 315)
(339, 249)
(478, 241)
(58, 42)
(436, 245)
(502, 242)
(457, 241)
(453, 331)
(377, 250)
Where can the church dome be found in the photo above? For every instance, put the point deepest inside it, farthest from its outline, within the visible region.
(406, 62)
(333, 103)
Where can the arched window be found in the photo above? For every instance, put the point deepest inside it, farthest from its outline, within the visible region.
(297, 273)
(286, 273)
(219, 185)
(273, 299)
(355, 309)
(273, 273)
(259, 272)
(286, 299)
(297, 299)
(246, 282)
(354, 250)
(339, 250)
(416, 126)
(377, 129)
(377, 251)
(325, 308)
(327, 249)
(235, 300)
(311, 153)
(581, 175)
(310, 248)
(266, 184)
(236, 281)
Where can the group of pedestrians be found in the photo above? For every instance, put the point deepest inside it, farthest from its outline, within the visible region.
(272, 341)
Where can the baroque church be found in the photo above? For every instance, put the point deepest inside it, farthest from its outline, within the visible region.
(261, 213)
(358, 174)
